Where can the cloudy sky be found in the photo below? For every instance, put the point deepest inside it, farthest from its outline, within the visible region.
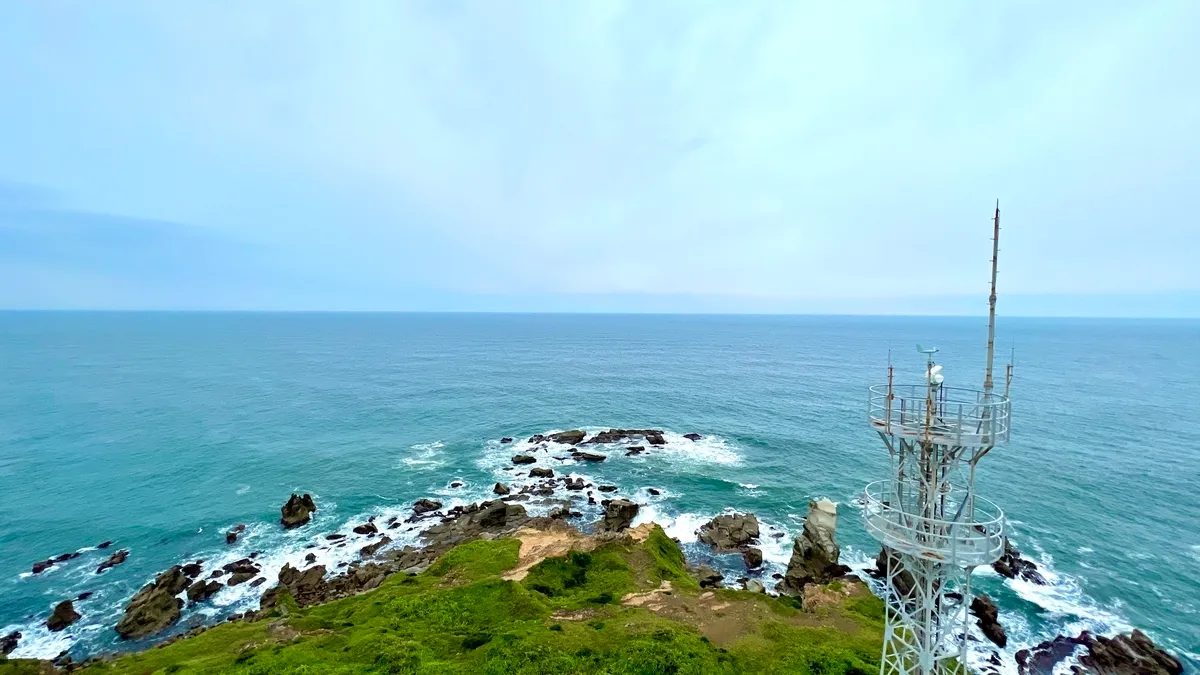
(659, 155)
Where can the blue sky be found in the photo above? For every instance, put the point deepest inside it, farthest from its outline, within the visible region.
(690, 155)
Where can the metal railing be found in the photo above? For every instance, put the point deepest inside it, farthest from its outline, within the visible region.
(964, 417)
(969, 533)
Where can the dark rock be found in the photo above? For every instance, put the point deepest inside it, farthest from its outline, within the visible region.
(573, 483)
(9, 642)
(64, 615)
(154, 607)
(62, 558)
(243, 566)
(652, 436)
(1133, 654)
(42, 566)
(537, 438)
(708, 577)
(297, 511)
(730, 532)
(113, 560)
(335, 536)
(778, 535)
(523, 459)
(608, 488)
(567, 437)
(366, 528)
(815, 552)
(371, 549)
(103, 545)
(506, 439)
(989, 619)
(84, 595)
(310, 558)
(217, 573)
(588, 456)
(258, 582)
(422, 506)
(501, 489)
(255, 554)
(541, 472)
(753, 558)
(618, 514)
(191, 569)
(635, 450)
(231, 537)
(693, 437)
(238, 578)
(559, 513)
(653, 492)
(1011, 565)
(202, 590)
(456, 484)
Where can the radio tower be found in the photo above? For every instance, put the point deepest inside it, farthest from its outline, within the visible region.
(934, 529)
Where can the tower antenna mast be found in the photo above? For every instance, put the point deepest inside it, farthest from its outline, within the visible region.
(991, 347)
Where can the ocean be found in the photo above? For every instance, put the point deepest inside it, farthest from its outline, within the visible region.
(160, 431)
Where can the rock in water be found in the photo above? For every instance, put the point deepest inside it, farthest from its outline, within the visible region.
(708, 577)
(618, 515)
(730, 532)
(9, 642)
(1133, 654)
(588, 456)
(568, 437)
(501, 489)
(989, 619)
(523, 459)
(64, 615)
(423, 506)
(366, 528)
(202, 590)
(815, 553)
(541, 472)
(692, 437)
(506, 439)
(154, 607)
(1012, 566)
(753, 558)
(298, 511)
(113, 560)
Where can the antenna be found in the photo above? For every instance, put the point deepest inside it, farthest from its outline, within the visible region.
(934, 529)
(991, 347)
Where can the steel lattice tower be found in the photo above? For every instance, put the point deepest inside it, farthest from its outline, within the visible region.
(934, 529)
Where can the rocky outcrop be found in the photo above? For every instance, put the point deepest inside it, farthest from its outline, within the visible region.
(523, 459)
(635, 450)
(366, 528)
(231, 536)
(371, 549)
(202, 590)
(753, 557)
(815, 552)
(9, 642)
(506, 439)
(707, 576)
(902, 581)
(154, 607)
(64, 615)
(423, 506)
(988, 619)
(574, 483)
(541, 472)
(568, 437)
(113, 560)
(1012, 566)
(582, 456)
(501, 489)
(618, 515)
(755, 586)
(652, 436)
(1132, 654)
(297, 511)
(693, 437)
(730, 532)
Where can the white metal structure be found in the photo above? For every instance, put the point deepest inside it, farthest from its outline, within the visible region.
(934, 529)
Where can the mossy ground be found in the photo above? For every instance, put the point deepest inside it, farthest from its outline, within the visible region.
(566, 616)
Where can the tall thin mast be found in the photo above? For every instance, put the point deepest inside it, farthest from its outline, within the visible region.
(991, 348)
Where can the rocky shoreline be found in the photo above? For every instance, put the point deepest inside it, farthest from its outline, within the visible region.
(814, 559)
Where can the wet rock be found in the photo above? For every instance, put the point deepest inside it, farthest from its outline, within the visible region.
(103, 545)
(423, 506)
(371, 549)
(456, 484)
(635, 450)
(297, 511)
(523, 459)
(989, 619)
(243, 566)
(608, 488)
(693, 437)
(9, 642)
(202, 590)
(567, 437)
(84, 595)
(63, 557)
(708, 577)
(310, 558)
(42, 566)
(574, 483)
(64, 615)
(506, 439)
(192, 569)
(154, 607)
(501, 489)
(588, 456)
(217, 573)
(366, 528)
(113, 560)
(541, 472)
(1132, 654)
(231, 537)
(652, 436)
(755, 586)
(537, 438)
(258, 582)
(618, 514)
(336, 536)
(753, 558)
(238, 578)
(653, 492)
(559, 513)
(1012, 566)
(815, 551)
(730, 532)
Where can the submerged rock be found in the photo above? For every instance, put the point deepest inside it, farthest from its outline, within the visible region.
(989, 619)
(730, 532)
(815, 551)
(64, 615)
(113, 560)
(103, 545)
(618, 515)
(297, 511)
(154, 607)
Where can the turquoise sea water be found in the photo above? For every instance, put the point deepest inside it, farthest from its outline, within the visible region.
(159, 431)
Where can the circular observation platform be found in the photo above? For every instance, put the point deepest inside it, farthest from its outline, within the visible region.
(968, 537)
(958, 416)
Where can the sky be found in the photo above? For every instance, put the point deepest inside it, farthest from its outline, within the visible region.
(667, 156)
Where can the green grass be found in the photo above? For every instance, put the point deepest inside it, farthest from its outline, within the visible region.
(460, 617)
